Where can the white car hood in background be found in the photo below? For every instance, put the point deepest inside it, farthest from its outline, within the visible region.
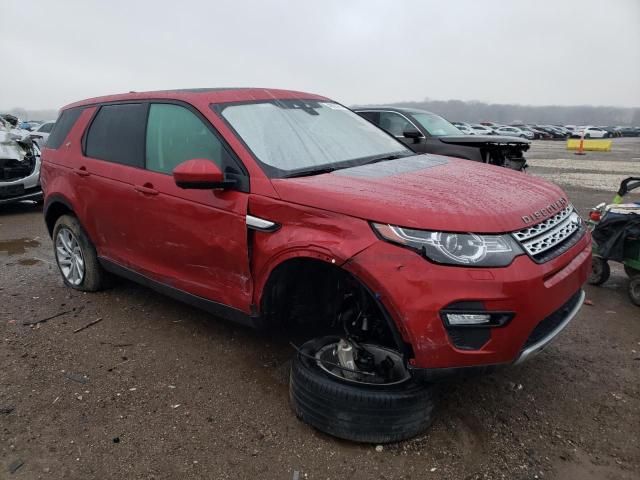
(10, 149)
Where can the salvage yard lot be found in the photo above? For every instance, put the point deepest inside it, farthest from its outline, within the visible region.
(158, 389)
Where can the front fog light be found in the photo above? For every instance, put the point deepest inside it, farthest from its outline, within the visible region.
(468, 318)
(473, 315)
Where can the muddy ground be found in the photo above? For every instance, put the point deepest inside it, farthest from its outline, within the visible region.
(160, 390)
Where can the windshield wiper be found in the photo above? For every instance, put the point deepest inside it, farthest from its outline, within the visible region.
(310, 171)
(317, 171)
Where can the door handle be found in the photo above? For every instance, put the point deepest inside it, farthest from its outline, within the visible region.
(82, 171)
(146, 189)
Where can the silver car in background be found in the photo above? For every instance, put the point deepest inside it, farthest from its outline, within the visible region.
(515, 132)
(40, 134)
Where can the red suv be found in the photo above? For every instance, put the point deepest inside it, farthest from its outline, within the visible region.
(280, 208)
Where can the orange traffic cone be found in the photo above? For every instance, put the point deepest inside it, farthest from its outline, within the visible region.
(581, 146)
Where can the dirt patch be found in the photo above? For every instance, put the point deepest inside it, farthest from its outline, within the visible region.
(27, 262)
(17, 246)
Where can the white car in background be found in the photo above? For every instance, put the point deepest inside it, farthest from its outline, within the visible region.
(590, 132)
(514, 132)
(466, 129)
(481, 130)
(41, 133)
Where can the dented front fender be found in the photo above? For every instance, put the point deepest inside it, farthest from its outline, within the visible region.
(304, 232)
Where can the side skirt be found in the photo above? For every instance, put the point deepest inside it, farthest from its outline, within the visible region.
(218, 309)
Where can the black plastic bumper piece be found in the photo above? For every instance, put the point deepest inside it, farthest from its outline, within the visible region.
(30, 194)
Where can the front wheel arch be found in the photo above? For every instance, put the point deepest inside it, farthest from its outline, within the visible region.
(294, 271)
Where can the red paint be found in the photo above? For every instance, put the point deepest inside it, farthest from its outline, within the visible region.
(197, 171)
(197, 240)
(459, 196)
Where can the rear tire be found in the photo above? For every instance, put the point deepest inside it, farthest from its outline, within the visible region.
(634, 290)
(600, 271)
(72, 245)
(357, 412)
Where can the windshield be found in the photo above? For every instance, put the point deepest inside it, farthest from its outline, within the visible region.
(292, 136)
(436, 126)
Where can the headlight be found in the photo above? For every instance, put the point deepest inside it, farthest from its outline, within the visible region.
(454, 248)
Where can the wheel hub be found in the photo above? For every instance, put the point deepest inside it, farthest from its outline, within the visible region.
(363, 364)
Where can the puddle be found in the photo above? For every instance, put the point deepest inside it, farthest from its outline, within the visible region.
(29, 261)
(18, 246)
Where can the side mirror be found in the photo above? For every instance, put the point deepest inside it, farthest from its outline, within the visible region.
(201, 174)
(412, 132)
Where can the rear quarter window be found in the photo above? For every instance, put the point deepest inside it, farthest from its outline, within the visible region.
(117, 134)
(63, 126)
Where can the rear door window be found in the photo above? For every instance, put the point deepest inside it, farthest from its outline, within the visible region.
(62, 127)
(117, 134)
(176, 134)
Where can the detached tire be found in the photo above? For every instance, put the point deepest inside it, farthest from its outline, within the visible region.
(357, 412)
(76, 256)
(634, 290)
(600, 271)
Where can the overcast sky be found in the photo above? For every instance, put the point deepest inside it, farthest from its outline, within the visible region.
(535, 52)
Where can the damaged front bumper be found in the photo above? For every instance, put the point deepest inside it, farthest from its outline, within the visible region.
(539, 300)
(496, 150)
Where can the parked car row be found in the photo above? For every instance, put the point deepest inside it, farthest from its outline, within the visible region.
(489, 128)
(603, 131)
(546, 132)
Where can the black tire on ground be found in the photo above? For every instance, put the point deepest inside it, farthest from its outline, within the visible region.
(634, 290)
(630, 271)
(600, 271)
(587, 135)
(95, 277)
(357, 412)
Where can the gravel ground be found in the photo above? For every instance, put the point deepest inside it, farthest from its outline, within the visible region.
(158, 389)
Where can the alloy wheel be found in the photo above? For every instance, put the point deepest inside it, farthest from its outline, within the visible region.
(69, 256)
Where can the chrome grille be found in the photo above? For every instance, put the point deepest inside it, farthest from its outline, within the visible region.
(545, 236)
(543, 226)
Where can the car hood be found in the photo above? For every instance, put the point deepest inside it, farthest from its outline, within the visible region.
(477, 140)
(10, 149)
(428, 192)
